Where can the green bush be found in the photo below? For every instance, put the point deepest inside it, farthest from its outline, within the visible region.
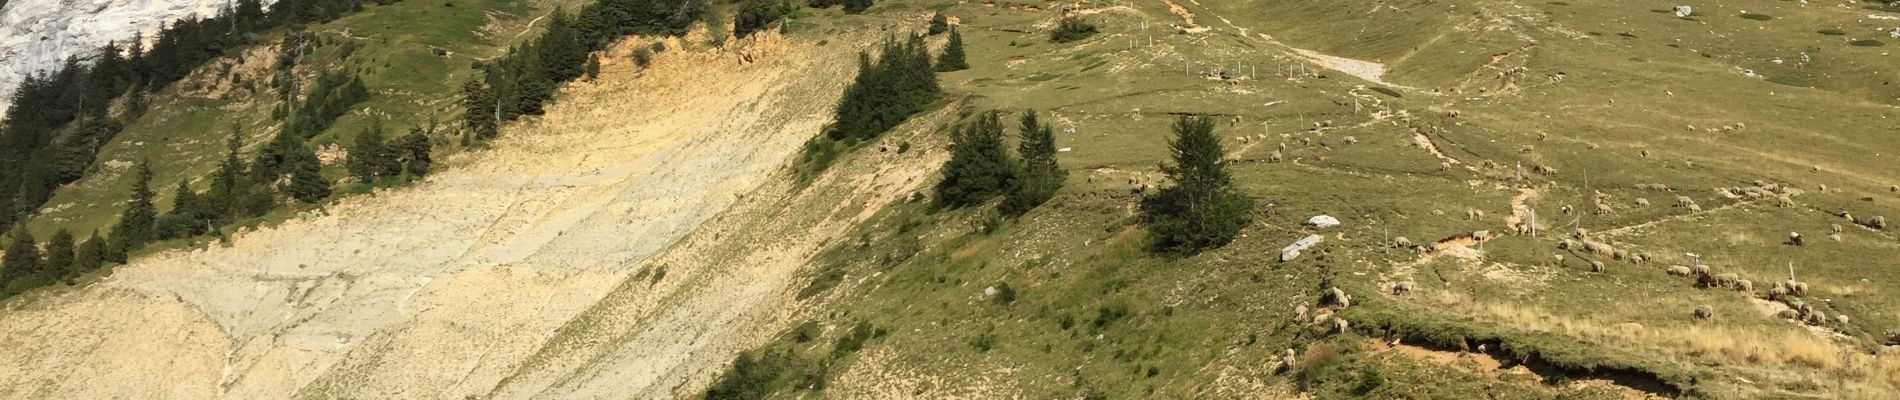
(1072, 29)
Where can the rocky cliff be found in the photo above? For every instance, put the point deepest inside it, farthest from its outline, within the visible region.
(36, 35)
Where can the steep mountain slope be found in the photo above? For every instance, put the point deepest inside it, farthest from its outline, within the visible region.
(447, 287)
(1524, 188)
(38, 35)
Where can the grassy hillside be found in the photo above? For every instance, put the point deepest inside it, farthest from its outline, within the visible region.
(412, 56)
(1598, 103)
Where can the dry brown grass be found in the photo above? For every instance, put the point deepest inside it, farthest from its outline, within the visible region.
(1808, 351)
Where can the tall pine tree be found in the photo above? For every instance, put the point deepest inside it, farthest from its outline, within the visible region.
(366, 154)
(224, 183)
(979, 166)
(1201, 210)
(1040, 176)
(22, 259)
(90, 255)
(952, 58)
(137, 224)
(59, 256)
(306, 176)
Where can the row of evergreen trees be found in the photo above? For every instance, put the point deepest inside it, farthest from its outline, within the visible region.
(980, 169)
(522, 82)
(60, 119)
(286, 168)
(901, 81)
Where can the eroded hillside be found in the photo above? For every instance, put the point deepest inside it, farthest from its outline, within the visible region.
(477, 276)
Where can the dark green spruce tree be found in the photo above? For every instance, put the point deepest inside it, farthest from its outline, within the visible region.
(1040, 176)
(139, 221)
(366, 154)
(186, 218)
(478, 110)
(1201, 210)
(952, 58)
(413, 149)
(306, 176)
(91, 254)
(225, 183)
(939, 23)
(979, 166)
(59, 256)
(22, 259)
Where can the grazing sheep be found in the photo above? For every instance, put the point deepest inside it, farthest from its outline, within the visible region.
(1620, 255)
(1699, 270)
(1841, 319)
(1473, 213)
(1817, 318)
(1684, 201)
(1794, 238)
(1597, 266)
(1643, 257)
(1678, 270)
(1402, 288)
(1745, 285)
(1778, 292)
(1401, 242)
(1836, 227)
(1287, 359)
(1877, 222)
(1708, 280)
(1351, 140)
(1834, 236)
(1339, 298)
(1604, 208)
(1783, 201)
(1797, 288)
(1340, 325)
(1581, 233)
(1275, 156)
(1695, 208)
(1788, 314)
(1299, 313)
(1704, 312)
(1642, 202)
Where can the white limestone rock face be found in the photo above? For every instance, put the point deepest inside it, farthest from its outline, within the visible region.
(37, 35)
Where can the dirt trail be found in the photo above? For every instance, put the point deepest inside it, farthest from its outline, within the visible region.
(445, 289)
(1519, 212)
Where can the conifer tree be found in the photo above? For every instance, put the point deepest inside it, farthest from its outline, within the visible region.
(979, 167)
(306, 176)
(366, 154)
(1040, 176)
(90, 255)
(59, 255)
(1201, 210)
(952, 58)
(186, 218)
(593, 67)
(414, 151)
(224, 184)
(22, 258)
(479, 109)
(137, 223)
(939, 23)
